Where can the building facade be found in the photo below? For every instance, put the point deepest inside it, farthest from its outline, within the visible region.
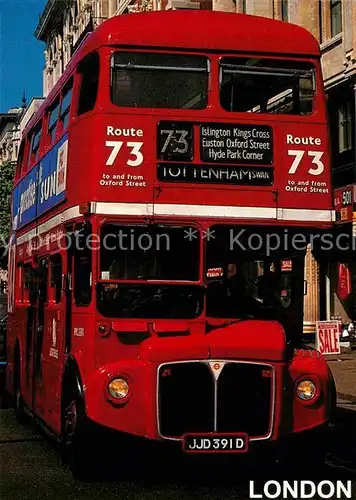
(65, 23)
(12, 125)
(10, 135)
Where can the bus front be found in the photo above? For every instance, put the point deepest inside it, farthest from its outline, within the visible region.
(212, 172)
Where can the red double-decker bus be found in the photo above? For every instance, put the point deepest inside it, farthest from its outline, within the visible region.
(163, 201)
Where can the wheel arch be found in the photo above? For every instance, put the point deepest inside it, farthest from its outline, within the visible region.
(71, 373)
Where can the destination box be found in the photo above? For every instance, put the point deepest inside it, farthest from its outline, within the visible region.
(236, 143)
(216, 174)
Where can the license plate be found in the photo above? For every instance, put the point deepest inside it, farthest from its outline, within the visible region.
(215, 443)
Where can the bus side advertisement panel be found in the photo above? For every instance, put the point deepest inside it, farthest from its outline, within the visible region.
(43, 187)
(52, 178)
(24, 207)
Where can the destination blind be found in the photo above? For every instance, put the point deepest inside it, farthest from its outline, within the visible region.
(217, 174)
(240, 144)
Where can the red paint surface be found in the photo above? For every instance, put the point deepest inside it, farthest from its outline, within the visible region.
(98, 358)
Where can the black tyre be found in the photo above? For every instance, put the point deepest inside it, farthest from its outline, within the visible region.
(18, 401)
(77, 441)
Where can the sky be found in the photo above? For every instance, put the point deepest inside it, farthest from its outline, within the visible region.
(21, 54)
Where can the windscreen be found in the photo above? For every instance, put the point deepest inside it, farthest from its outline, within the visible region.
(150, 80)
(149, 253)
(134, 258)
(254, 85)
(246, 279)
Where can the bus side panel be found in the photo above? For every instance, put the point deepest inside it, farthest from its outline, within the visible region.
(12, 334)
(47, 391)
(27, 325)
(16, 336)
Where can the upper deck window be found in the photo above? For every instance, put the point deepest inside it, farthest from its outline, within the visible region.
(89, 70)
(20, 167)
(66, 102)
(52, 121)
(170, 81)
(35, 145)
(267, 86)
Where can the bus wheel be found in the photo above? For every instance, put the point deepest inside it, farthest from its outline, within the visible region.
(76, 441)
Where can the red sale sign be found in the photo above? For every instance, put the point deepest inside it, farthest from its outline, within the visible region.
(344, 284)
(328, 337)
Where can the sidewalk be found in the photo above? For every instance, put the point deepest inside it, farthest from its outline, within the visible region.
(343, 367)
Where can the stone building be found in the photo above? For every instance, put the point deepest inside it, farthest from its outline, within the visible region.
(12, 125)
(65, 23)
(10, 135)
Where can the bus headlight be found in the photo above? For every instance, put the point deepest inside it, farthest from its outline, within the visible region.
(118, 388)
(306, 390)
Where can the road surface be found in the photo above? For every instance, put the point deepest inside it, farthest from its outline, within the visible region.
(30, 469)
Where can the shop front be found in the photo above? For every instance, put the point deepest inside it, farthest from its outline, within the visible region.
(340, 271)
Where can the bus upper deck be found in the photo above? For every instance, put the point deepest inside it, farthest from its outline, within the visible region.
(222, 109)
(178, 129)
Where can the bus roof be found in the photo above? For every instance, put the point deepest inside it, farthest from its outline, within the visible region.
(196, 30)
(207, 30)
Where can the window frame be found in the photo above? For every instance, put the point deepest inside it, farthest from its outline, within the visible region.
(52, 128)
(120, 225)
(320, 22)
(29, 283)
(246, 69)
(56, 286)
(34, 153)
(156, 67)
(344, 127)
(43, 272)
(81, 72)
(336, 25)
(285, 10)
(87, 230)
(65, 114)
(20, 163)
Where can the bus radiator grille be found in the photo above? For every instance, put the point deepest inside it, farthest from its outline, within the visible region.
(188, 393)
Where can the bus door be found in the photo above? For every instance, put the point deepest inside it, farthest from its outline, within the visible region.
(54, 316)
(40, 330)
(30, 320)
(68, 294)
(50, 338)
